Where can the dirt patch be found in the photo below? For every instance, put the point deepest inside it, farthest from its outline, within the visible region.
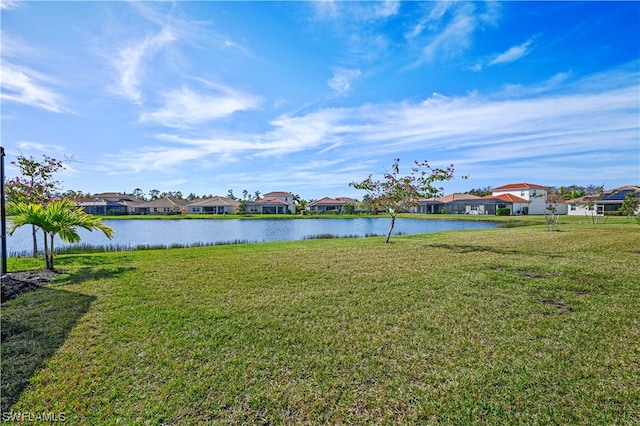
(558, 303)
(16, 283)
(538, 274)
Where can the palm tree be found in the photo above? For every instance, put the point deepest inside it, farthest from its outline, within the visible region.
(60, 217)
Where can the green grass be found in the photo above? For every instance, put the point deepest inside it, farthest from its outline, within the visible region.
(501, 326)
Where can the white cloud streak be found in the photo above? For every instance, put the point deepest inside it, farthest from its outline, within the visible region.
(512, 54)
(23, 84)
(26, 86)
(342, 78)
(184, 108)
(10, 4)
(475, 132)
(131, 60)
(447, 31)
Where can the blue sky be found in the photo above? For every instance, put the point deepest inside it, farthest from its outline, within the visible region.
(306, 97)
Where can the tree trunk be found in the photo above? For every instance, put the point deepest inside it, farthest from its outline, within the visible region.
(34, 232)
(393, 223)
(51, 253)
(46, 251)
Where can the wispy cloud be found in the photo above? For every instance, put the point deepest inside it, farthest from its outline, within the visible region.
(473, 132)
(512, 54)
(342, 78)
(184, 108)
(24, 84)
(447, 30)
(130, 61)
(355, 11)
(29, 87)
(10, 4)
(387, 8)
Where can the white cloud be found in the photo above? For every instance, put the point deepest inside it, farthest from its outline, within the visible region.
(475, 132)
(355, 11)
(342, 78)
(512, 54)
(387, 8)
(183, 108)
(10, 4)
(33, 148)
(447, 30)
(130, 63)
(23, 84)
(26, 86)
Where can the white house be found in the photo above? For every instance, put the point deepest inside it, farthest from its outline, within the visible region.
(277, 202)
(606, 202)
(535, 195)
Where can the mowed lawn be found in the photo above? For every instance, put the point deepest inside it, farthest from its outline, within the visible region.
(500, 326)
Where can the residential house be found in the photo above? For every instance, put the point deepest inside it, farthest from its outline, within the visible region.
(515, 204)
(277, 202)
(327, 204)
(535, 197)
(165, 205)
(215, 205)
(108, 203)
(609, 201)
(456, 204)
(472, 204)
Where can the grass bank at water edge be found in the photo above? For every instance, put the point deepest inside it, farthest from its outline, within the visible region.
(500, 326)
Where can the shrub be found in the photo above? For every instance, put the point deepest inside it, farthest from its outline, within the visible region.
(505, 211)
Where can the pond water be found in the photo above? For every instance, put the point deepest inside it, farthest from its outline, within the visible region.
(129, 234)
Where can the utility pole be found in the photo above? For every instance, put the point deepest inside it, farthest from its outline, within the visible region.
(3, 214)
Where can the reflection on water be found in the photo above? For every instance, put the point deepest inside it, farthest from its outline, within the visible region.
(140, 232)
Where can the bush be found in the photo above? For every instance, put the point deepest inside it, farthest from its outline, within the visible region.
(503, 212)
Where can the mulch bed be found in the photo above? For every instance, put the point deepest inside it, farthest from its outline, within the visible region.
(16, 283)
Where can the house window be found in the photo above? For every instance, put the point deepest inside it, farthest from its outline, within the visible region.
(522, 193)
(533, 193)
(573, 207)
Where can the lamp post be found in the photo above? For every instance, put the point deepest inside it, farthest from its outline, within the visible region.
(3, 215)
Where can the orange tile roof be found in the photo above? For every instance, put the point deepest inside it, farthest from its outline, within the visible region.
(278, 194)
(515, 186)
(454, 197)
(509, 198)
(327, 201)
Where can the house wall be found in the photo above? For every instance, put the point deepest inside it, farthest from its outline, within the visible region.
(289, 200)
(537, 198)
(575, 209)
(324, 208)
(212, 209)
(480, 209)
(561, 208)
(578, 209)
(268, 208)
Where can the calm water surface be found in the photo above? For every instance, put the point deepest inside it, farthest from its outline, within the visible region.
(133, 233)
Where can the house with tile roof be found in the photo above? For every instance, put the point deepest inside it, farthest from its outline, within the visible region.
(526, 197)
(108, 203)
(215, 205)
(472, 204)
(165, 205)
(276, 202)
(454, 204)
(327, 204)
(607, 202)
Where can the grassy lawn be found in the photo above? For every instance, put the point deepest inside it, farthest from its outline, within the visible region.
(501, 326)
